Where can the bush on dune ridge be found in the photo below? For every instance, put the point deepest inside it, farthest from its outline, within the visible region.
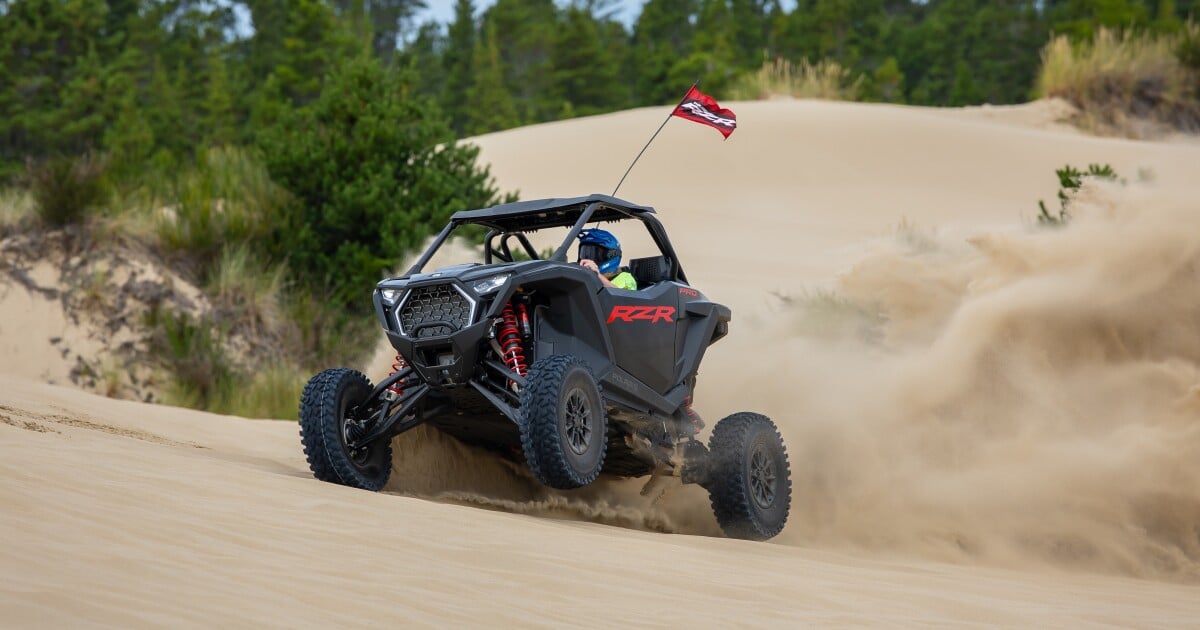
(1126, 82)
(260, 331)
(825, 79)
(65, 189)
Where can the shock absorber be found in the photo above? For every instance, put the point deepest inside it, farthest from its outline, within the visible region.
(526, 328)
(398, 364)
(511, 350)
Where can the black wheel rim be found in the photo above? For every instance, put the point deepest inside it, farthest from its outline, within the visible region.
(762, 477)
(577, 425)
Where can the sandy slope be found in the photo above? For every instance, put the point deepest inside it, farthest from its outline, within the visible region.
(123, 515)
(1027, 413)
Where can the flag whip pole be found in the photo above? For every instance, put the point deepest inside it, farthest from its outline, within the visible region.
(660, 128)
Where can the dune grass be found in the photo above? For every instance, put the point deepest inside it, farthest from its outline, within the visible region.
(16, 210)
(272, 391)
(825, 79)
(227, 197)
(1122, 81)
(246, 293)
(251, 345)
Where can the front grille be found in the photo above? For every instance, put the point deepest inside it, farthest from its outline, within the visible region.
(442, 304)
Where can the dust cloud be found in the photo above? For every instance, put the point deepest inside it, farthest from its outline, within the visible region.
(1021, 396)
(1029, 395)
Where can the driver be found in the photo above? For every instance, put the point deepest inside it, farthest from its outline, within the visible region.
(600, 251)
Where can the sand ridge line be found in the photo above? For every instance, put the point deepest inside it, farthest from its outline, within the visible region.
(25, 424)
(79, 422)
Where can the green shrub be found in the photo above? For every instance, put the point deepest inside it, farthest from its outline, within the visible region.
(65, 189)
(373, 170)
(1069, 181)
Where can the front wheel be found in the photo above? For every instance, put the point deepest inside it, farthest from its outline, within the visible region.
(564, 429)
(326, 428)
(749, 481)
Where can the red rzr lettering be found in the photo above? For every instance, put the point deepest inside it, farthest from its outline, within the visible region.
(652, 314)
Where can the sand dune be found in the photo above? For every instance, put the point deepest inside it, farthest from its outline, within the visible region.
(990, 424)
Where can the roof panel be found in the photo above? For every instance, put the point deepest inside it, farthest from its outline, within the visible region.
(542, 213)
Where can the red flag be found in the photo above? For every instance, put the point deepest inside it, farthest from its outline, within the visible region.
(702, 108)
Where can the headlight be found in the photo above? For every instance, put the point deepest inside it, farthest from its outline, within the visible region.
(487, 285)
(390, 295)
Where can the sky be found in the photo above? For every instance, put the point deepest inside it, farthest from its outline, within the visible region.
(625, 10)
(443, 10)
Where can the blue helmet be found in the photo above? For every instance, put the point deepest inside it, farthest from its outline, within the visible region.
(602, 248)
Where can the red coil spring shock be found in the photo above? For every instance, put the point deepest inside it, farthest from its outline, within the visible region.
(510, 341)
(397, 365)
(524, 314)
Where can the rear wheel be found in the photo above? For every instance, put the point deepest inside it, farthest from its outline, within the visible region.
(326, 429)
(749, 481)
(564, 429)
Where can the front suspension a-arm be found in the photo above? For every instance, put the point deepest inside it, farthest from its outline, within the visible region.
(387, 419)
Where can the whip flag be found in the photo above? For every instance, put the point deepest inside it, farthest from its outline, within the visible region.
(704, 109)
(696, 106)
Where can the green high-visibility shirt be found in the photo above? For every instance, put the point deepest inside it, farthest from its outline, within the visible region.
(624, 280)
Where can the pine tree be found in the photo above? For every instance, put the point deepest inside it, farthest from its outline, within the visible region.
(662, 37)
(460, 50)
(489, 105)
(80, 118)
(888, 82)
(166, 113)
(314, 44)
(372, 171)
(218, 122)
(713, 58)
(585, 72)
(378, 24)
(50, 52)
(524, 34)
(424, 57)
(750, 25)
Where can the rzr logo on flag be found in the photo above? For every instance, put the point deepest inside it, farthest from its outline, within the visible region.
(704, 109)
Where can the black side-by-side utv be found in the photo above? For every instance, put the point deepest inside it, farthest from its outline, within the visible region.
(534, 357)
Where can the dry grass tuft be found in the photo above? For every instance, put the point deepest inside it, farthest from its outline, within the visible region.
(825, 80)
(16, 210)
(248, 294)
(1129, 84)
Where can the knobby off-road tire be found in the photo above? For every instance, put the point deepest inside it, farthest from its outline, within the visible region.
(749, 480)
(327, 399)
(564, 428)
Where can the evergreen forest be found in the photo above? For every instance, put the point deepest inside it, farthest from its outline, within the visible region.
(150, 82)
